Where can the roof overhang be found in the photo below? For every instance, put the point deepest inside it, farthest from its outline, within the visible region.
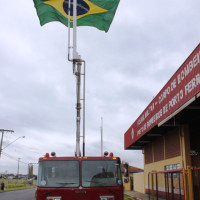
(180, 92)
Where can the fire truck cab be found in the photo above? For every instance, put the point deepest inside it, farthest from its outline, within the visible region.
(79, 178)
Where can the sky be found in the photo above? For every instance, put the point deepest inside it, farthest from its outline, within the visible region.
(125, 69)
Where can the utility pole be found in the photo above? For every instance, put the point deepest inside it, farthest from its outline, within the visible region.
(18, 168)
(101, 129)
(2, 131)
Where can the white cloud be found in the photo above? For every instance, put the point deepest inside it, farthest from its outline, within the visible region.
(125, 68)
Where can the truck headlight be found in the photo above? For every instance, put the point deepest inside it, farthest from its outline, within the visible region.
(107, 198)
(54, 198)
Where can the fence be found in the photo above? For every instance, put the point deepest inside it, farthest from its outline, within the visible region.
(177, 184)
(196, 183)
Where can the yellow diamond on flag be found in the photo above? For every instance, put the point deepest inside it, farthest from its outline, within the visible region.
(84, 7)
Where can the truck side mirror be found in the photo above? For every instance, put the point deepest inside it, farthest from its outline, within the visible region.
(126, 173)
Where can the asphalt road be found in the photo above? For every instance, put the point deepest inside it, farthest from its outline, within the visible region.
(28, 194)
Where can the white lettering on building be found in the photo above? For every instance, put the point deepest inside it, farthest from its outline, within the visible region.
(192, 84)
(176, 99)
(190, 66)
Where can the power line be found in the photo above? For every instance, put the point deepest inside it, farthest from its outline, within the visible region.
(13, 158)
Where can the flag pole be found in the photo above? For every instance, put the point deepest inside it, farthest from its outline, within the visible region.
(69, 25)
(76, 57)
(77, 67)
(77, 62)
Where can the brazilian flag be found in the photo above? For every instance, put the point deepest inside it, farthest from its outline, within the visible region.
(96, 13)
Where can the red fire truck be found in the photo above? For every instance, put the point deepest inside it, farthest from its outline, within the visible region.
(79, 178)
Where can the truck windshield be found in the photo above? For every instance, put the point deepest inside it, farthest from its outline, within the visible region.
(58, 174)
(101, 173)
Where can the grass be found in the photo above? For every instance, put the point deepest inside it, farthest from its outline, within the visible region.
(14, 184)
(126, 197)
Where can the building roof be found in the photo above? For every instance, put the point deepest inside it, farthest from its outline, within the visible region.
(132, 169)
(173, 105)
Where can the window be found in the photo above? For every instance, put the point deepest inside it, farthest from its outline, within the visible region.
(58, 174)
(101, 173)
(148, 153)
(172, 167)
(158, 149)
(172, 144)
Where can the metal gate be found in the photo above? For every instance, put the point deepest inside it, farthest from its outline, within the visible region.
(180, 184)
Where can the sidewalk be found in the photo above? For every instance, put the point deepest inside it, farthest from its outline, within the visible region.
(137, 195)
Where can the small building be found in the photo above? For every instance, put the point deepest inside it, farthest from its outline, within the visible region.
(132, 170)
(168, 130)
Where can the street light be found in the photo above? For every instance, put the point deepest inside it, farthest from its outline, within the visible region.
(3, 130)
(13, 142)
(1, 149)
